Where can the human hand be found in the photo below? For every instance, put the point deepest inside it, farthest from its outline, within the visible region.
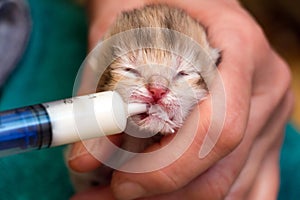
(244, 162)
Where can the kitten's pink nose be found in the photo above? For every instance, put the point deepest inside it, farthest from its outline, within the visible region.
(157, 91)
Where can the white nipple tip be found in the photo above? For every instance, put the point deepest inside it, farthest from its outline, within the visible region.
(137, 108)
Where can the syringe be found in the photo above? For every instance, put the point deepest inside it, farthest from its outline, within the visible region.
(64, 121)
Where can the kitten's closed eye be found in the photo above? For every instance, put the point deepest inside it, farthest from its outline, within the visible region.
(132, 71)
(182, 73)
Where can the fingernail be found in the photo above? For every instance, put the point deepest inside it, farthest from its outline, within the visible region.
(129, 190)
(87, 147)
(75, 151)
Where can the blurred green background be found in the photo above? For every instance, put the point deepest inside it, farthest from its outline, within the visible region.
(56, 49)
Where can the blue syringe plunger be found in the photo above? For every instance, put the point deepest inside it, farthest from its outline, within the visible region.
(24, 129)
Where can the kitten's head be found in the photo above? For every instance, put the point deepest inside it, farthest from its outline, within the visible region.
(160, 56)
(169, 83)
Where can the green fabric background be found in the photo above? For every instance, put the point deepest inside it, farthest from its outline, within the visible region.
(47, 71)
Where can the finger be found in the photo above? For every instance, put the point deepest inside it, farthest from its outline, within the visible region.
(246, 182)
(95, 193)
(272, 79)
(269, 141)
(84, 156)
(103, 13)
(266, 184)
(80, 160)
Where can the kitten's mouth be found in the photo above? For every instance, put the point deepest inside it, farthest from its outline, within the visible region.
(156, 111)
(143, 116)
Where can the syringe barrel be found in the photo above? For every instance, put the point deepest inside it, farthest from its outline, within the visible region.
(24, 129)
(85, 117)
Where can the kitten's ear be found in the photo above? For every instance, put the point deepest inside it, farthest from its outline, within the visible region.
(215, 55)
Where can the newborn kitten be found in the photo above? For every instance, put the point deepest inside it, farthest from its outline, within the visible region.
(156, 67)
(166, 81)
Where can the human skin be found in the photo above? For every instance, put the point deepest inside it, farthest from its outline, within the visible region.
(245, 160)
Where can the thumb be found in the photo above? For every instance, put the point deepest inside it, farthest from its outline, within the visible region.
(102, 14)
(84, 156)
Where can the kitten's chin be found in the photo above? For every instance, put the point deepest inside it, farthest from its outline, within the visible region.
(152, 125)
(156, 120)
